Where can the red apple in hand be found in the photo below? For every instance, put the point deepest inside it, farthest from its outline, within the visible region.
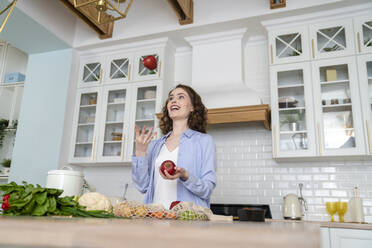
(173, 204)
(168, 166)
(150, 62)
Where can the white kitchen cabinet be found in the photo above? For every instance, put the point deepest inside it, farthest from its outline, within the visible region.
(85, 125)
(365, 86)
(337, 107)
(91, 71)
(363, 34)
(350, 238)
(292, 111)
(332, 39)
(289, 45)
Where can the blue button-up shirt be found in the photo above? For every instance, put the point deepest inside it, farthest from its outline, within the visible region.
(196, 154)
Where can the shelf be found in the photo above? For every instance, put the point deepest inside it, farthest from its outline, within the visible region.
(147, 100)
(293, 132)
(115, 103)
(85, 124)
(336, 105)
(113, 142)
(335, 82)
(5, 85)
(88, 106)
(238, 114)
(114, 122)
(143, 120)
(83, 143)
(290, 86)
(288, 109)
(338, 130)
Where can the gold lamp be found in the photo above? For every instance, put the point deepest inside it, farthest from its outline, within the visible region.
(110, 7)
(11, 7)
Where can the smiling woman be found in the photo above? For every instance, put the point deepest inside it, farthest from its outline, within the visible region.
(186, 144)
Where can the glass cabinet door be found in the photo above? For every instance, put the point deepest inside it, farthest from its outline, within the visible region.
(86, 119)
(119, 69)
(91, 72)
(365, 84)
(337, 103)
(363, 27)
(289, 46)
(113, 124)
(145, 108)
(332, 39)
(292, 114)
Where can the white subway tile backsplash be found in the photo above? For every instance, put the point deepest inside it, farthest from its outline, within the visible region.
(304, 177)
(329, 185)
(338, 193)
(322, 193)
(320, 177)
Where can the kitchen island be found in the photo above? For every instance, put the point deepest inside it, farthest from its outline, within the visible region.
(89, 232)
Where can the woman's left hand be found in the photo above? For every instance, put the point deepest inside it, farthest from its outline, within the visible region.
(180, 173)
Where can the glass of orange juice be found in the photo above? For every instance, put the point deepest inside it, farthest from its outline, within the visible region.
(341, 210)
(331, 209)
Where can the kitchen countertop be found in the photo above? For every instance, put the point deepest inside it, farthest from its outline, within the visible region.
(361, 226)
(89, 232)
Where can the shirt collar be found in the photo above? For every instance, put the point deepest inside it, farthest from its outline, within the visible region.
(188, 133)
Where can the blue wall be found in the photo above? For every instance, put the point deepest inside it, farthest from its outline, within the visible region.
(39, 134)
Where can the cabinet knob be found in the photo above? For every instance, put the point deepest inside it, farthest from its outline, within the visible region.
(320, 139)
(271, 54)
(312, 48)
(93, 148)
(275, 148)
(122, 147)
(358, 36)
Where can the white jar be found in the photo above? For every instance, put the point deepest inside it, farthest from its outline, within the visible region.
(70, 181)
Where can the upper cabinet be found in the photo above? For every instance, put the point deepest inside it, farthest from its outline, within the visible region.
(332, 39)
(117, 89)
(289, 45)
(363, 29)
(321, 84)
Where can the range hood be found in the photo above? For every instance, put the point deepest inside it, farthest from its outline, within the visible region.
(218, 76)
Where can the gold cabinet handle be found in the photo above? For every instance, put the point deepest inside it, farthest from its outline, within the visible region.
(358, 36)
(122, 147)
(271, 54)
(129, 71)
(275, 148)
(320, 140)
(369, 137)
(312, 48)
(100, 75)
(159, 68)
(93, 148)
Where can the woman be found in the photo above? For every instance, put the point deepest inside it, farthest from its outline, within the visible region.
(186, 143)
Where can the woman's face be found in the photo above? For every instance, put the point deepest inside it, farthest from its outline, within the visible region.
(179, 104)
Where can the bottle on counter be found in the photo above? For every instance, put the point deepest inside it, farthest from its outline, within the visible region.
(355, 212)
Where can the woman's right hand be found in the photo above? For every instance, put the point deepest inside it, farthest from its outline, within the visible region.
(143, 140)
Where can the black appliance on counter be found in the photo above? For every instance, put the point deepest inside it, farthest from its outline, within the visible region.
(232, 209)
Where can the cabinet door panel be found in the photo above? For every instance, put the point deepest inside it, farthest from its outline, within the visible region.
(287, 46)
(363, 29)
(91, 71)
(141, 72)
(119, 69)
(85, 125)
(365, 85)
(332, 39)
(350, 238)
(114, 124)
(292, 111)
(337, 106)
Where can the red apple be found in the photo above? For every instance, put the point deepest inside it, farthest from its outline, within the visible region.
(150, 62)
(173, 204)
(168, 166)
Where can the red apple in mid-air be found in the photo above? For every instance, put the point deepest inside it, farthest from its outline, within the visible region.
(150, 62)
(168, 166)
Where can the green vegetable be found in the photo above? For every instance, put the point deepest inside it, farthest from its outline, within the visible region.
(27, 199)
(188, 215)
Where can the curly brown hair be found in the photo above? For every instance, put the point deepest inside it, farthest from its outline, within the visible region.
(197, 119)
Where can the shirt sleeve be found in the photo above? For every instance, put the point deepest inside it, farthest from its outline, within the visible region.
(141, 167)
(202, 185)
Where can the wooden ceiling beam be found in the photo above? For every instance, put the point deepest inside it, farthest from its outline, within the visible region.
(184, 10)
(89, 15)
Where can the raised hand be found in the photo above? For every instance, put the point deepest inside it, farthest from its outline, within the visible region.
(143, 139)
(180, 172)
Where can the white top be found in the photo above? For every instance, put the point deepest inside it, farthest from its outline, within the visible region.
(165, 191)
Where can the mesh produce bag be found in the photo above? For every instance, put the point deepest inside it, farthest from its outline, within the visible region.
(182, 211)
